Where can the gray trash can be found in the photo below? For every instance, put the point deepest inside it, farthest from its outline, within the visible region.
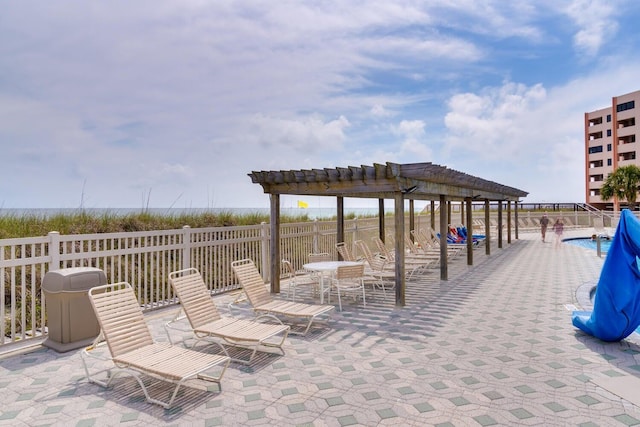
(71, 320)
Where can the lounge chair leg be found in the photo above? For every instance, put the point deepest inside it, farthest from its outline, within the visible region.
(247, 362)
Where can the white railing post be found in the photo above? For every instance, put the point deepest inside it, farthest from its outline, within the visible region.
(316, 233)
(186, 247)
(54, 250)
(354, 236)
(264, 253)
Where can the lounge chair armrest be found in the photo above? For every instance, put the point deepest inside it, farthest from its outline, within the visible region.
(174, 325)
(97, 342)
(240, 304)
(268, 317)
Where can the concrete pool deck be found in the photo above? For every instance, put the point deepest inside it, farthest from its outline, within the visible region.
(494, 345)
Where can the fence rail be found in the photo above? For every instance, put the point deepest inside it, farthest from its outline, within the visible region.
(145, 259)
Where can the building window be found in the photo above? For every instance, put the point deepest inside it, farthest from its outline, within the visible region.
(608, 147)
(608, 162)
(626, 106)
(608, 132)
(597, 149)
(608, 117)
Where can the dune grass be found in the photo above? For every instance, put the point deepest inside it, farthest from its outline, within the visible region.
(15, 226)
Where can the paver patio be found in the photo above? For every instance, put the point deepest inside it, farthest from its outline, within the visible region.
(493, 345)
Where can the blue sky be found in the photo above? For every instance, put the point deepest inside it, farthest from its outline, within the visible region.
(161, 103)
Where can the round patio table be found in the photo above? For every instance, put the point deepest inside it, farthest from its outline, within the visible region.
(326, 268)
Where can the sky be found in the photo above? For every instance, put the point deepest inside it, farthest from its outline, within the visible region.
(172, 103)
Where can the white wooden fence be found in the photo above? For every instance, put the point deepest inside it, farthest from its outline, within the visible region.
(145, 260)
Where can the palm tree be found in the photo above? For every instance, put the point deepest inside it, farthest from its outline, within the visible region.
(622, 184)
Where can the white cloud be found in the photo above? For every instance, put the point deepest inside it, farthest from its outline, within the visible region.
(379, 111)
(496, 18)
(594, 19)
(309, 134)
(414, 144)
(484, 124)
(428, 48)
(411, 129)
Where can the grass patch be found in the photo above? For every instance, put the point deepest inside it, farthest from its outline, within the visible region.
(31, 225)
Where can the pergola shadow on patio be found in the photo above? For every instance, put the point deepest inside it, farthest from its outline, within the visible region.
(398, 182)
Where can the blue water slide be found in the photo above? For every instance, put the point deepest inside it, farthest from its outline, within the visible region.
(616, 308)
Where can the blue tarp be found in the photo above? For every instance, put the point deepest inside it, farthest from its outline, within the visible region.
(616, 308)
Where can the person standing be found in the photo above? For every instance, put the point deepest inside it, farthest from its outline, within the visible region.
(558, 229)
(544, 222)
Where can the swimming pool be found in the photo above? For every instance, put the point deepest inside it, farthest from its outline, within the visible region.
(586, 242)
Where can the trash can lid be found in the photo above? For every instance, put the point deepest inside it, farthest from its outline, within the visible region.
(73, 279)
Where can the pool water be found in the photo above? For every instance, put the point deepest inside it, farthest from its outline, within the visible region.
(586, 242)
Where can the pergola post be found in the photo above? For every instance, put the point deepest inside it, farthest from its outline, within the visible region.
(444, 273)
(515, 209)
(381, 231)
(399, 248)
(469, 232)
(274, 242)
(340, 219)
(487, 227)
(499, 224)
(509, 222)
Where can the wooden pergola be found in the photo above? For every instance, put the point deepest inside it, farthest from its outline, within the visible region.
(399, 182)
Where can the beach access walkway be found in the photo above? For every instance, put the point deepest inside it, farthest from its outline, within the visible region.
(493, 345)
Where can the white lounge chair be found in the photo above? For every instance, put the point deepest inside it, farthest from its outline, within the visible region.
(412, 263)
(345, 252)
(430, 241)
(133, 350)
(207, 323)
(381, 274)
(263, 302)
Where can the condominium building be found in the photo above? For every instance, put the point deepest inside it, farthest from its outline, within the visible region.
(610, 142)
